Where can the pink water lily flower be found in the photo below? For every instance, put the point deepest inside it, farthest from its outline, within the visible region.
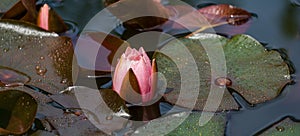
(134, 78)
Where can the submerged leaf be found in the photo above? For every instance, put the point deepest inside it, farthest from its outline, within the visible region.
(17, 111)
(183, 124)
(249, 66)
(287, 127)
(44, 57)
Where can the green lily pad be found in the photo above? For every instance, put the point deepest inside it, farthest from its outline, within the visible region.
(184, 124)
(287, 127)
(17, 111)
(42, 56)
(247, 63)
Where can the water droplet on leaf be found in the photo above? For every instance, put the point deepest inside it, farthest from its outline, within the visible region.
(223, 81)
(280, 128)
(110, 117)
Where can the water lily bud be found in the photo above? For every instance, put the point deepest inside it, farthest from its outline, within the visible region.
(134, 77)
(43, 17)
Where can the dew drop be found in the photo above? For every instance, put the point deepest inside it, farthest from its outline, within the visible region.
(5, 50)
(20, 47)
(110, 117)
(223, 81)
(41, 71)
(280, 128)
(64, 81)
(37, 67)
(42, 58)
(78, 113)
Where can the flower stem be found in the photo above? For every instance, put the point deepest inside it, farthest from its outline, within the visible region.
(151, 112)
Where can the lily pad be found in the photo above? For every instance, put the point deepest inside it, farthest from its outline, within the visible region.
(97, 51)
(287, 127)
(17, 111)
(183, 124)
(44, 57)
(247, 63)
(104, 109)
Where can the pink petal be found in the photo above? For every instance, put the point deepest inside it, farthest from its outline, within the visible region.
(121, 69)
(43, 17)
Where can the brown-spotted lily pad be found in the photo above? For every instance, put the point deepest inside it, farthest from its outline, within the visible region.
(287, 127)
(256, 73)
(183, 124)
(17, 111)
(43, 57)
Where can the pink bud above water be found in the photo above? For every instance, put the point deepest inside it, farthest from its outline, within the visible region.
(134, 70)
(43, 17)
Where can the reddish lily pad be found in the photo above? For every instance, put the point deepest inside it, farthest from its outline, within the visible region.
(183, 124)
(22, 10)
(44, 57)
(103, 47)
(186, 17)
(287, 127)
(224, 12)
(17, 110)
(139, 15)
(249, 66)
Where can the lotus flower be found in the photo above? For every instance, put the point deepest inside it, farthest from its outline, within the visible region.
(43, 17)
(134, 77)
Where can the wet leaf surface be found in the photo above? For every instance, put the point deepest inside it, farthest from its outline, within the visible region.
(249, 66)
(44, 57)
(104, 109)
(188, 124)
(17, 111)
(286, 127)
